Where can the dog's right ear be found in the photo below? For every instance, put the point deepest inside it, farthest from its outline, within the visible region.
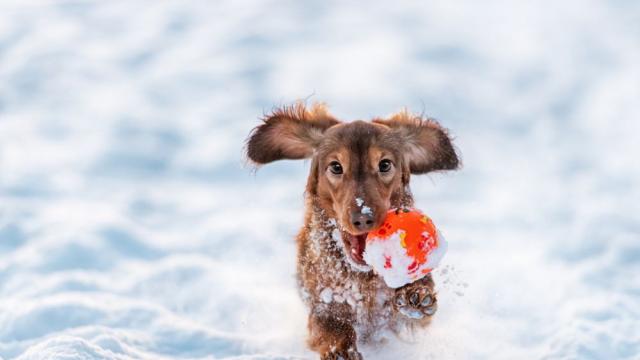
(289, 133)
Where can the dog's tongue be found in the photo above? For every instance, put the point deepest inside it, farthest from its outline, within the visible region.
(358, 246)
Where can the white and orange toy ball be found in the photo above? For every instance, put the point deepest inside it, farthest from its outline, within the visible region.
(405, 248)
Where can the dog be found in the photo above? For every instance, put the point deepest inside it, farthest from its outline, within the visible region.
(354, 165)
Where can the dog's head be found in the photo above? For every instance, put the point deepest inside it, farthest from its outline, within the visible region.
(359, 169)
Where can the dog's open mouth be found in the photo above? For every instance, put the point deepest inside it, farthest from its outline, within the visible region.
(355, 247)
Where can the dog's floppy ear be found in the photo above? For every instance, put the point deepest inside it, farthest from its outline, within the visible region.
(290, 132)
(426, 145)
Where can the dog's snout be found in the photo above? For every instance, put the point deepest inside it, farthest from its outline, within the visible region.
(362, 222)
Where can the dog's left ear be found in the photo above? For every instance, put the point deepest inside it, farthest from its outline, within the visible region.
(427, 146)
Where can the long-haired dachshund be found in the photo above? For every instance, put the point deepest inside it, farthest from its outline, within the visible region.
(353, 165)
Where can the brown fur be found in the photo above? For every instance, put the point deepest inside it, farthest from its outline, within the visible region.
(349, 304)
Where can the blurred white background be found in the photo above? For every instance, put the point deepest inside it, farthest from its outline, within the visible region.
(130, 227)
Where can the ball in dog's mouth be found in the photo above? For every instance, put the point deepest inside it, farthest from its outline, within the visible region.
(355, 247)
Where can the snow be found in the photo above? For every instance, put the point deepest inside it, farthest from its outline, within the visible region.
(378, 252)
(326, 295)
(364, 209)
(131, 228)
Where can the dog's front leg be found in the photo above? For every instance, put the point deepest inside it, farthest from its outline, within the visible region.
(331, 334)
(417, 300)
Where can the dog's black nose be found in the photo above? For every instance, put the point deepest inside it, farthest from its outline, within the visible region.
(362, 222)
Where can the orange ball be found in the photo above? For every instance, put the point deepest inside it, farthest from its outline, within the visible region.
(405, 248)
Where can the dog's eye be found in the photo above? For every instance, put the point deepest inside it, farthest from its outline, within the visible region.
(335, 167)
(385, 165)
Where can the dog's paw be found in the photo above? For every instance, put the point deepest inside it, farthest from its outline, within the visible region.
(415, 301)
(348, 354)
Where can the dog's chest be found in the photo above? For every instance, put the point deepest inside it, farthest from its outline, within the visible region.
(338, 283)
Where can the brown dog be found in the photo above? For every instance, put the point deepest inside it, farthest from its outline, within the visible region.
(359, 170)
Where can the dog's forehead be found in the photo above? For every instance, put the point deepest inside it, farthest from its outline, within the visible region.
(357, 138)
(356, 135)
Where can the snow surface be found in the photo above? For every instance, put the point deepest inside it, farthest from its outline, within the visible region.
(130, 227)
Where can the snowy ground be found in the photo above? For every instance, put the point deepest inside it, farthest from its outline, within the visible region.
(129, 227)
